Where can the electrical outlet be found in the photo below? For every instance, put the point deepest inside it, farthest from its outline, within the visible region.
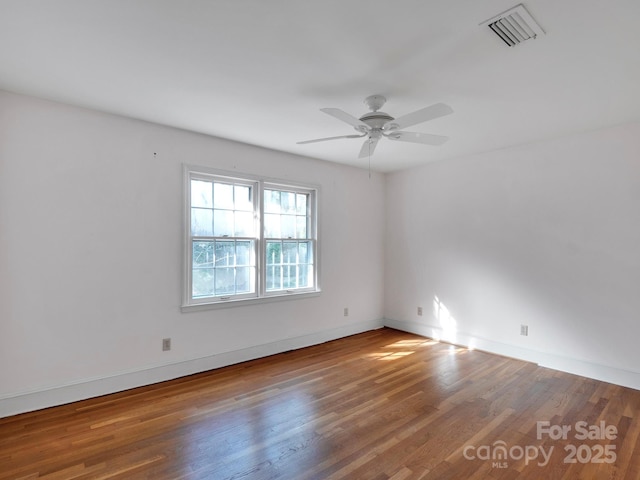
(166, 344)
(419, 311)
(524, 330)
(346, 311)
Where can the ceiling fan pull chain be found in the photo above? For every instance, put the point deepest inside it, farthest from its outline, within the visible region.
(369, 158)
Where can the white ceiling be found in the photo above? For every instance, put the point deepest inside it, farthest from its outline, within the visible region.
(258, 71)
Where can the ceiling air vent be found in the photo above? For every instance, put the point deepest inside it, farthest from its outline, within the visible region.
(514, 26)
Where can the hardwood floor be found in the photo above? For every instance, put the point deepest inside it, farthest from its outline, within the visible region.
(379, 405)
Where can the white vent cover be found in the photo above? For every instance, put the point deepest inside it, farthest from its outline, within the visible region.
(514, 26)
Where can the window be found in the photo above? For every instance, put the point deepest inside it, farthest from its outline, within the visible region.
(288, 242)
(223, 238)
(247, 238)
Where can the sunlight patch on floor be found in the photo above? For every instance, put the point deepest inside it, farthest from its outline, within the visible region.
(389, 355)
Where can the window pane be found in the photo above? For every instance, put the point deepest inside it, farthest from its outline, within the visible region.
(202, 282)
(303, 275)
(223, 195)
(274, 253)
(225, 254)
(242, 198)
(201, 222)
(202, 254)
(222, 223)
(289, 252)
(201, 193)
(289, 276)
(301, 227)
(225, 281)
(271, 201)
(301, 204)
(304, 252)
(244, 280)
(288, 202)
(288, 223)
(244, 224)
(272, 226)
(244, 253)
(274, 278)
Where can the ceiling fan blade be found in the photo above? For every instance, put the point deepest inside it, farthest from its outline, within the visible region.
(330, 138)
(345, 117)
(417, 137)
(419, 116)
(368, 147)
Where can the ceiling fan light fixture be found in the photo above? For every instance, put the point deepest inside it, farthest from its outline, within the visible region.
(514, 26)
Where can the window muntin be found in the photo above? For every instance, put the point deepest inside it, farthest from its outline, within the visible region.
(248, 239)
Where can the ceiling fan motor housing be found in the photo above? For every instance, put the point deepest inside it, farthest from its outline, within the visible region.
(376, 119)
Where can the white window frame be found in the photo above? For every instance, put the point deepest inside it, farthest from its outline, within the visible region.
(259, 185)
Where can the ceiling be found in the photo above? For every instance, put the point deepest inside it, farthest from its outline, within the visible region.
(258, 71)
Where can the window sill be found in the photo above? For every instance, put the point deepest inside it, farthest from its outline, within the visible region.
(244, 302)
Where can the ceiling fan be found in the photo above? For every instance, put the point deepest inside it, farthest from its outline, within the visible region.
(375, 124)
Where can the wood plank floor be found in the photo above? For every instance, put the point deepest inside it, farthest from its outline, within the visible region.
(379, 405)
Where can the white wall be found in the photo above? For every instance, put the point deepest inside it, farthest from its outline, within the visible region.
(91, 251)
(546, 234)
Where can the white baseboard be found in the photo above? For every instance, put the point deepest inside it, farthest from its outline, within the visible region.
(21, 402)
(605, 373)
